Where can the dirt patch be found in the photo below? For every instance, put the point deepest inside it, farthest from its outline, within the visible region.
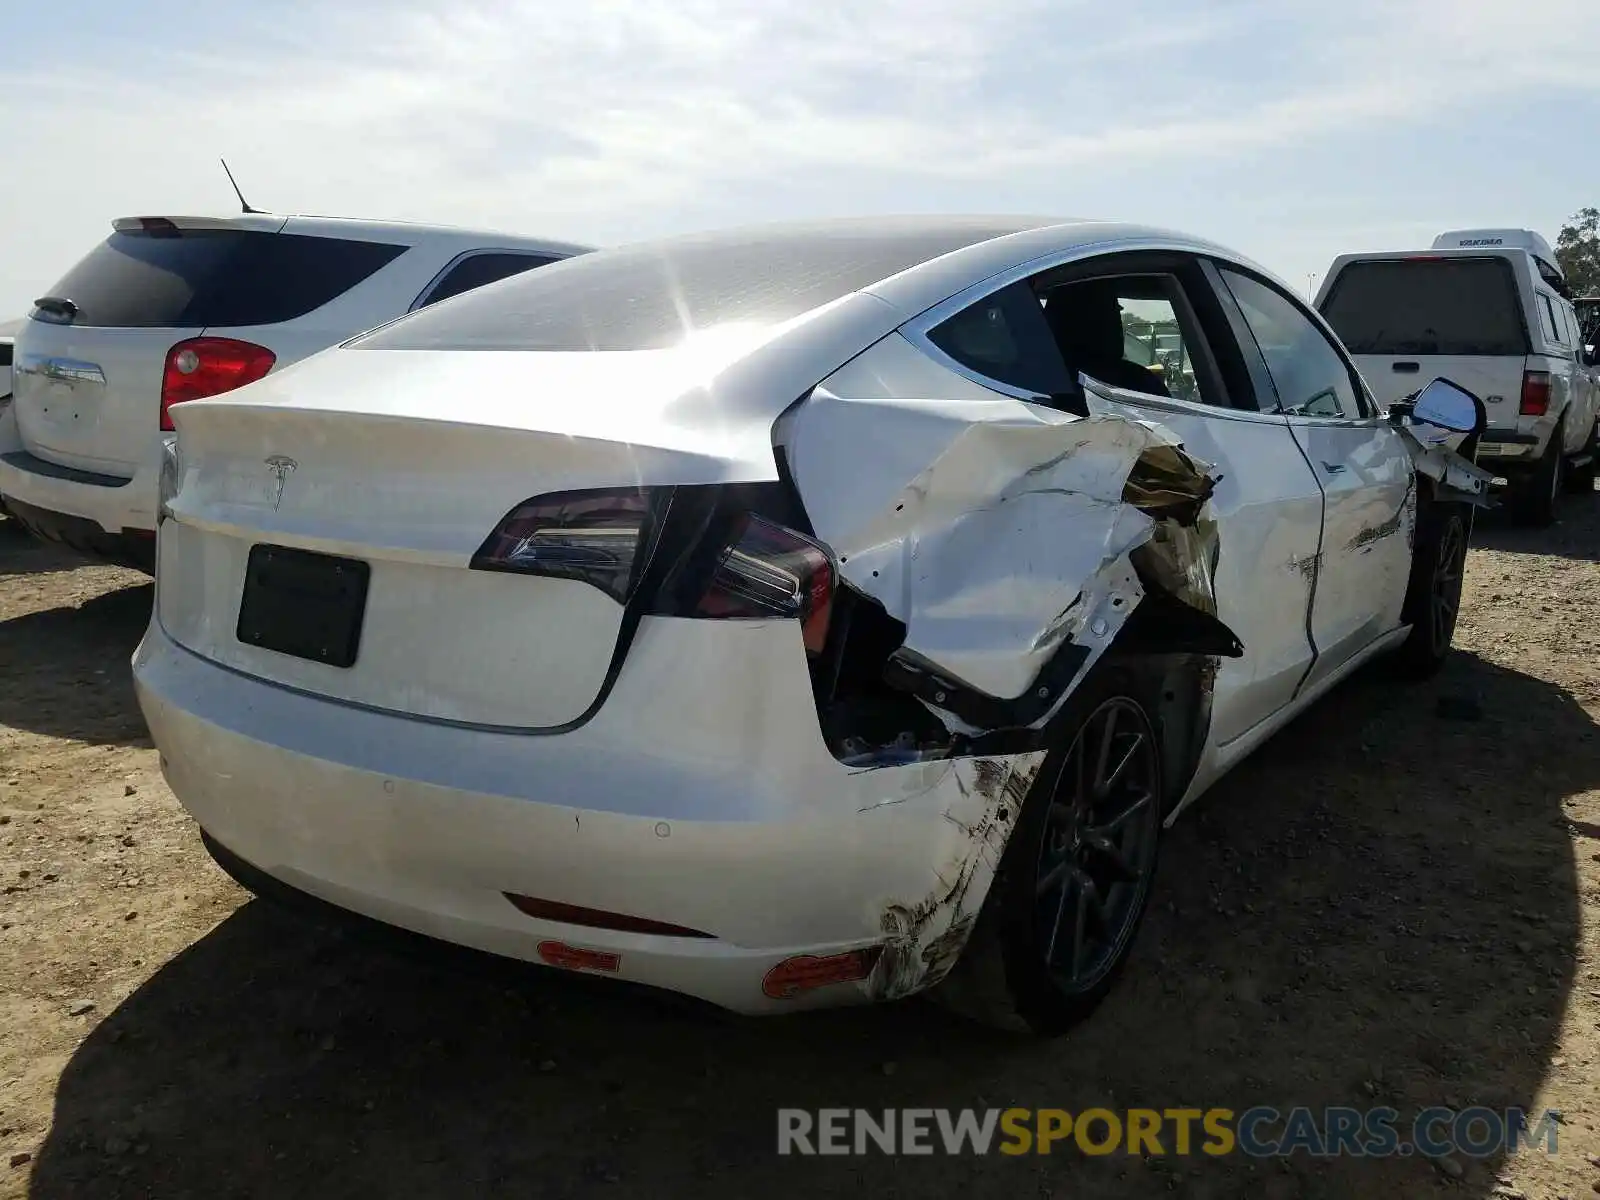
(1396, 902)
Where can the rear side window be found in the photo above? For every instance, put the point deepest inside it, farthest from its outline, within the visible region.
(1547, 314)
(214, 277)
(1427, 306)
(1005, 337)
(478, 269)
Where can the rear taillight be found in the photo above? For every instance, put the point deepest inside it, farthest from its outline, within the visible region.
(1535, 393)
(209, 366)
(716, 563)
(767, 570)
(593, 537)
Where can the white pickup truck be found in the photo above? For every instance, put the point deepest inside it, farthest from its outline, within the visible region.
(1489, 309)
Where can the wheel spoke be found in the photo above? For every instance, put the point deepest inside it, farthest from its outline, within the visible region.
(1111, 854)
(1078, 931)
(1061, 911)
(1054, 878)
(1136, 806)
(1103, 759)
(1138, 741)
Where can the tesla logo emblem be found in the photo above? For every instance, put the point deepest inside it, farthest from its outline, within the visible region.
(281, 469)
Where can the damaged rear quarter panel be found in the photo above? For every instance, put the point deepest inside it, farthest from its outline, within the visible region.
(976, 519)
(924, 934)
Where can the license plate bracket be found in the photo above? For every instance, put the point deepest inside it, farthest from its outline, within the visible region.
(303, 604)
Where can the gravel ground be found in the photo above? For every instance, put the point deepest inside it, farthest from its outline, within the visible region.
(1396, 902)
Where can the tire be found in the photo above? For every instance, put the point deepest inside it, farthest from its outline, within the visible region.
(1580, 480)
(1075, 879)
(1433, 596)
(1533, 499)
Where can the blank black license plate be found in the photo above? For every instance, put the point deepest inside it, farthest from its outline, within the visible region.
(304, 604)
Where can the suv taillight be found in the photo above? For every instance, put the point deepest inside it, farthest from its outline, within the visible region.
(756, 569)
(209, 366)
(1535, 393)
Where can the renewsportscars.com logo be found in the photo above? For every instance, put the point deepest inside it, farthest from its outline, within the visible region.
(1260, 1132)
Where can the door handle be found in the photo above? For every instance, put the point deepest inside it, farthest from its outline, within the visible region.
(1333, 468)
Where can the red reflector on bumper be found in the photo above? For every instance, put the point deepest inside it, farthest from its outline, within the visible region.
(578, 958)
(807, 971)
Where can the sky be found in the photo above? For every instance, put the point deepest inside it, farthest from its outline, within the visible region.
(1289, 131)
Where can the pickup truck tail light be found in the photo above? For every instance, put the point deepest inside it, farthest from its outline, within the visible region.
(1535, 393)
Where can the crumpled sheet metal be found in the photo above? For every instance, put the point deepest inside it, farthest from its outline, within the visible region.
(980, 523)
(1433, 453)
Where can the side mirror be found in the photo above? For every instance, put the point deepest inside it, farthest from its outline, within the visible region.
(1447, 405)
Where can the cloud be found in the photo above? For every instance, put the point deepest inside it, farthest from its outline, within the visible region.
(606, 119)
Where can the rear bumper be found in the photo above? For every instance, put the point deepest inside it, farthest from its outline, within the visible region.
(111, 504)
(133, 549)
(427, 827)
(1510, 447)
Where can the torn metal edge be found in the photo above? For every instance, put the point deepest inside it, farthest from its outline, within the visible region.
(925, 936)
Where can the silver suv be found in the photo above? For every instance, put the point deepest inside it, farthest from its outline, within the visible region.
(170, 309)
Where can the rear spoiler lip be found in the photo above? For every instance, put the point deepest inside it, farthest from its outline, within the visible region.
(262, 221)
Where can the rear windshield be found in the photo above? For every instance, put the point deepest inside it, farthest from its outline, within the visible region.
(214, 277)
(649, 296)
(1427, 306)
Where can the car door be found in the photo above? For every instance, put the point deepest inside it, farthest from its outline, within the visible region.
(1267, 503)
(1360, 462)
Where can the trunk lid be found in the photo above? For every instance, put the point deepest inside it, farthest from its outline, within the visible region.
(1495, 380)
(90, 398)
(404, 463)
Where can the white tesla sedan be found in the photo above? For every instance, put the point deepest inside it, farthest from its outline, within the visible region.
(789, 616)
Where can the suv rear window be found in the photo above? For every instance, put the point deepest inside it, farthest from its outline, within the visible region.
(214, 277)
(1427, 306)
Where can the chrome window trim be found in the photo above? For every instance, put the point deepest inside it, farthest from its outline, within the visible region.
(917, 329)
(1170, 404)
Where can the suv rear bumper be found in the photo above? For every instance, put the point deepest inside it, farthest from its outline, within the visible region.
(111, 505)
(131, 548)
